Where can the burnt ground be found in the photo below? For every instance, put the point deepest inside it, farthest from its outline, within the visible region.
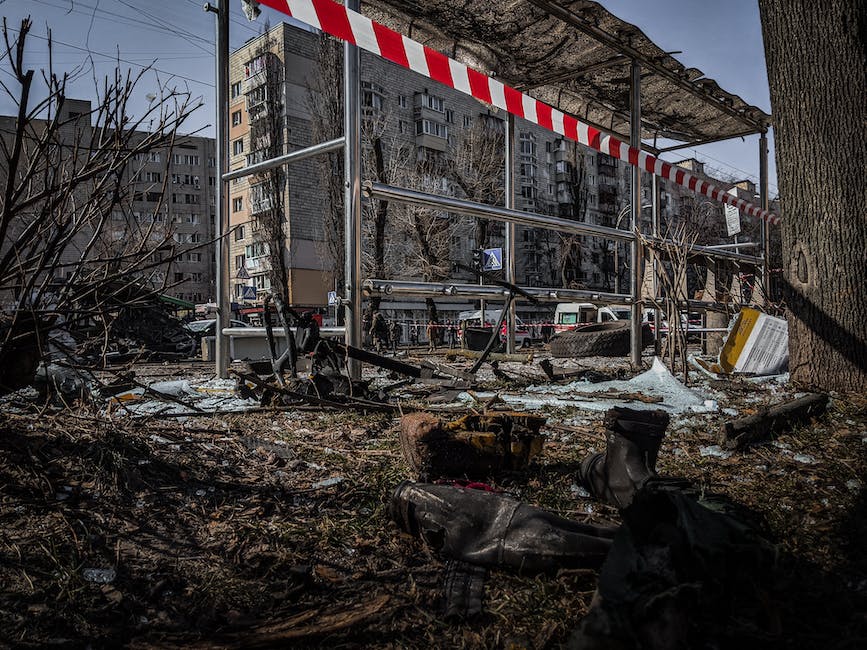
(272, 529)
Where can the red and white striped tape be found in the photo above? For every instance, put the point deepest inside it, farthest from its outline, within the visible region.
(352, 27)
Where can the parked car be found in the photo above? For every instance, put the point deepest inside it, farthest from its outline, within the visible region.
(473, 319)
(208, 327)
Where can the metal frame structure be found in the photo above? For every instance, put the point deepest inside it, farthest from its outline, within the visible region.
(354, 187)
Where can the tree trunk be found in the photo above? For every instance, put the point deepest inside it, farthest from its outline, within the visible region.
(816, 60)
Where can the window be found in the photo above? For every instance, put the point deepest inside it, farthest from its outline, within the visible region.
(239, 261)
(212, 161)
(528, 170)
(372, 95)
(238, 147)
(192, 218)
(255, 66)
(236, 89)
(153, 177)
(239, 233)
(179, 277)
(256, 249)
(528, 145)
(430, 101)
(154, 157)
(402, 127)
(195, 238)
(261, 282)
(196, 277)
(468, 121)
(450, 116)
(528, 191)
(238, 204)
(236, 118)
(429, 127)
(401, 101)
(194, 257)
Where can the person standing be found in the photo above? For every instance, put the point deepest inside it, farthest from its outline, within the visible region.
(413, 333)
(431, 336)
(377, 331)
(453, 334)
(393, 334)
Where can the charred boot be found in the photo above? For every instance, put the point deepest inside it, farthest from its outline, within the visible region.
(629, 461)
(493, 530)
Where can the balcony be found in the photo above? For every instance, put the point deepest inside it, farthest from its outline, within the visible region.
(256, 80)
(257, 264)
(262, 205)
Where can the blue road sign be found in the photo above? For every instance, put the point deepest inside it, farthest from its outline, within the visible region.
(249, 293)
(332, 298)
(493, 259)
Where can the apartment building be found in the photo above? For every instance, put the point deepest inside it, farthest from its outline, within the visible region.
(553, 176)
(167, 199)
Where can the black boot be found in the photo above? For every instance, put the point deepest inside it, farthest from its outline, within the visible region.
(629, 461)
(494, 530)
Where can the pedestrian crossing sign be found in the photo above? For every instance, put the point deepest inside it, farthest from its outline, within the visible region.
(493, 259)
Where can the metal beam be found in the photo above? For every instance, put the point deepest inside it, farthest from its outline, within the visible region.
(478, 291)
(510, 227)
(635, 256)
(698, 143)
(221, 200)
(532, 219)
(655, 216)
(472, 208)
(295, 156)
(572, 74)
(606, 39)
(352, 196)
(763, 200)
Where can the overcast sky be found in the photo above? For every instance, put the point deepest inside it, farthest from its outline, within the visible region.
(720, 37)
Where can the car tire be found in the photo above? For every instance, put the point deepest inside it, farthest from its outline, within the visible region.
(599, 339)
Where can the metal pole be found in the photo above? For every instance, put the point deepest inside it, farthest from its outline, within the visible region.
(383, 287)
(531, 219)
(635, 270)
(221, 220)
(294, 156)
(655, 207)
(510, 228)
(473, 208)
(763, 200)
(352, 196)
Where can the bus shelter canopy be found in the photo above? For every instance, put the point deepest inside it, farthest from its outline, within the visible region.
(576, 56)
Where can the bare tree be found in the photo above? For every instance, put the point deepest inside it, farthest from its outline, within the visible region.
(476, 167)
(69, 241)
(325, 103)
(571, 247)
(269, 188)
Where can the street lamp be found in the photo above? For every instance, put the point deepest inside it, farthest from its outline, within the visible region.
(620, 216)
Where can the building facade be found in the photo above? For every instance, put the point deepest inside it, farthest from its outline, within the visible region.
(165, 207)
(428, 127)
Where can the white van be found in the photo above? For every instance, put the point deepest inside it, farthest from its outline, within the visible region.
(569, 315)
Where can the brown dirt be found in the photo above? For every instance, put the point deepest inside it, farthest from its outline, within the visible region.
(220, 533)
